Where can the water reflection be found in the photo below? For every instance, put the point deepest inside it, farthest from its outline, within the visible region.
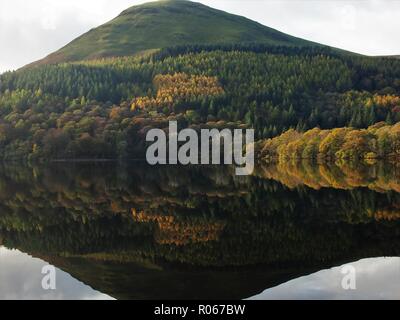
(137, 232)
(377, 176)
(376, 278)
(21, 279)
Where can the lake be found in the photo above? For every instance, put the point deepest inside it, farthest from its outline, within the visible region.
(129, 231)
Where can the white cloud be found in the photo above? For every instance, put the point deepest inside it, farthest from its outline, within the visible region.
(29, 30)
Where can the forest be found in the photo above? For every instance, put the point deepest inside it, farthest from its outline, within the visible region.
(102, 109)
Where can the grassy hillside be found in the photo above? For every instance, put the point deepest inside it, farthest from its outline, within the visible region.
(163, 24)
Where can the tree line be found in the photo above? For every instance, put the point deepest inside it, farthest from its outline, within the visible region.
(379, 141)
(84, 109)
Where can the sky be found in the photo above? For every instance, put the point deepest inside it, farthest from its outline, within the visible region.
(32, 29)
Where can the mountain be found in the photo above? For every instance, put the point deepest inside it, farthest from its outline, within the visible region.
(161, 24)
(232, 73)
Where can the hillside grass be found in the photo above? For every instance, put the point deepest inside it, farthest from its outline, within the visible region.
(168, 23)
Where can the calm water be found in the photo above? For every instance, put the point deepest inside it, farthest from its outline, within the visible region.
(21, 278)
(119, 231)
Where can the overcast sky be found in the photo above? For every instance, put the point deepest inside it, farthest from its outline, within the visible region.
(31, 29)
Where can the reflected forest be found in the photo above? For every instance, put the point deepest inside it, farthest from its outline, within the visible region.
(123, 229)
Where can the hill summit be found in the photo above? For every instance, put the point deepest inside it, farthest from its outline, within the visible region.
(160, 24)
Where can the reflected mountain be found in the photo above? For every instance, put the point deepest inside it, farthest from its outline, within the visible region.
(138, 232)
